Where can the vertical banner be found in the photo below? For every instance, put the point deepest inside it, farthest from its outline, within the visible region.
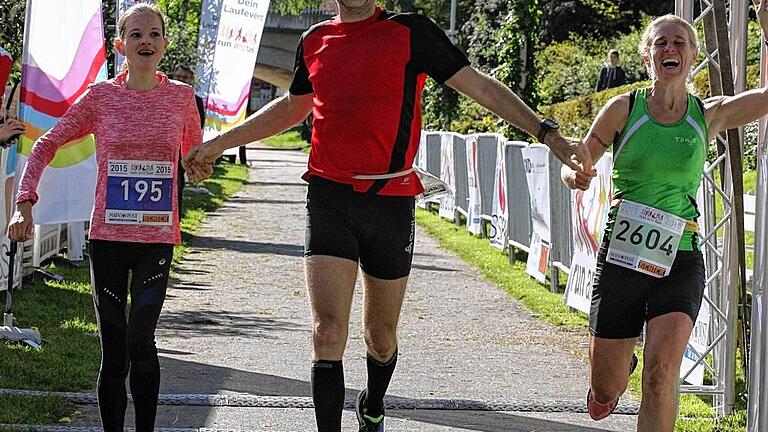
(536, 162)
(230, 34)
(122, 6)
(8, 164)
(499, 215)
(699, 339)
(697, 344)
(590, 212)
(447, 174)
(474, 220)
(6, 65)
(63, 54)
(421, 162)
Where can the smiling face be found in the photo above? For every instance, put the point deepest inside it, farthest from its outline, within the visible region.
(142, 41)
(670, 50)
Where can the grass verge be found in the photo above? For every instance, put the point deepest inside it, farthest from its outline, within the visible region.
(63, 311)
(495, 266)
(287, 140)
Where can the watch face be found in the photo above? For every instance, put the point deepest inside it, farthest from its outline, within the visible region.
(551, 124)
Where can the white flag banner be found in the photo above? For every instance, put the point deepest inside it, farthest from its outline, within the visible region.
(536, 162)
(421, 163)
(63, 53)
(589, 213)
(499, 215)
(474, 220)
(699, 339)
(122, 6)
(447, 175)
(230, 34)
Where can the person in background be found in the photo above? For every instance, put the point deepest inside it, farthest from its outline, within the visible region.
(611, 75)
(140, 120)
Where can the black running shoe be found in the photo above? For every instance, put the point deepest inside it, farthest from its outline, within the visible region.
(367, 423)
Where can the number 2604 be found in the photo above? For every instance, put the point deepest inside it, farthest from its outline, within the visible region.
(651, 239)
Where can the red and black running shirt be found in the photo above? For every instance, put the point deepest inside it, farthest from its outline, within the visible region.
(367, 78)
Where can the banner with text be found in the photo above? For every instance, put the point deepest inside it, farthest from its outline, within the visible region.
(589, 214)
(499, 216)
(474, 220)
(63, 54)
(447, 174)
(230, 34)
(536, 162)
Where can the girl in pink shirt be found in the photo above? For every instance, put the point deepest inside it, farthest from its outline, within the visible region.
(139, 131)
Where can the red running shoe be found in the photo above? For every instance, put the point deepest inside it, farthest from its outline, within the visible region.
(598, 411)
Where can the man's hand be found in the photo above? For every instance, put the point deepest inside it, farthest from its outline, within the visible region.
(21, 226)
(10, 128)
(575, 179)
(571, 152)
(207, 152)
(196, 171)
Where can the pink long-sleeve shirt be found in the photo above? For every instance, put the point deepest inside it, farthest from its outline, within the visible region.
(138, 138)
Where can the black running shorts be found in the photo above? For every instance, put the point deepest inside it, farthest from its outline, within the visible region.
(623, 299)
(375, 230)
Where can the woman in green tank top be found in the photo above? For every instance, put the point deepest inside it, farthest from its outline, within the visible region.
(659, 137)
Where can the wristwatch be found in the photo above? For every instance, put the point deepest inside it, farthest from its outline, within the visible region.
(545, 127)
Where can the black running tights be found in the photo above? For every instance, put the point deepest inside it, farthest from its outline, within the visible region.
(128, 346)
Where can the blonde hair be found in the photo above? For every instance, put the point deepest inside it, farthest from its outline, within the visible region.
(139, 8)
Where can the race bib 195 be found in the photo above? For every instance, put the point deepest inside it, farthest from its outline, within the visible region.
(139, 192)
(645, 239)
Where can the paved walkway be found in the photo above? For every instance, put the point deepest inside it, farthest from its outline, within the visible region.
(237, 323)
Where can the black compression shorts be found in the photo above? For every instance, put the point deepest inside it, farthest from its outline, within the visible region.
(623, 299)
(375, 230)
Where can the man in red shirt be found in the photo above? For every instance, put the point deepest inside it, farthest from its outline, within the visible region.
(361, 75)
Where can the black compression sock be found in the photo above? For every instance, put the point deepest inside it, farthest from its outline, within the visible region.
(328, 394)
(379, 376)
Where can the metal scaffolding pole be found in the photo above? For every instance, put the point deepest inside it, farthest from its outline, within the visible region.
(757, 413)
(725, 263)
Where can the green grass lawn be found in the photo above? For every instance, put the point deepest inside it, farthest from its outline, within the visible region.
(287, 140)
(63, 312)
(495, 266)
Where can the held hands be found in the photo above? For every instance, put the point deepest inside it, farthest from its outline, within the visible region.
(196, 171)
(10, 128)
(575, 155)
(576, 179)
(21, 226)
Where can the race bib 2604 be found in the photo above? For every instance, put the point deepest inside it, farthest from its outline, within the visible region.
(139, 192)
(645, 239)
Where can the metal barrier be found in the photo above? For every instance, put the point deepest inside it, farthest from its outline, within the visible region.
(461, 192)
(487, 147)
(518, 198)
(560, 222)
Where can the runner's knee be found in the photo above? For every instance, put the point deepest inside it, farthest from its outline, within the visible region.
(381, 342)
(329, 333)
(141, 349)
(605, 391)
(659, 376)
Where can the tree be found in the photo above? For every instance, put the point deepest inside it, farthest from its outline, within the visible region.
(599, 19)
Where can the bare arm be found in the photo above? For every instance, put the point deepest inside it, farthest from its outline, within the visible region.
(502, 101)
(275, 117)
(609, 122)
(727, 112)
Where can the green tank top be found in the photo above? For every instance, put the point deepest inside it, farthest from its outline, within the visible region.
(660, 165)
